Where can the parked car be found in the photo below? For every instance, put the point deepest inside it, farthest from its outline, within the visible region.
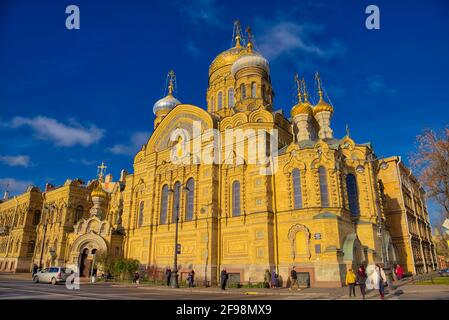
(444, 272)
(53, 275)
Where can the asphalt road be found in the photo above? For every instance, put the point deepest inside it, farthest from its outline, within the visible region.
(22, 288)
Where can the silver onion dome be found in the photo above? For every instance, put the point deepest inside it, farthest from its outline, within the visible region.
(252, 59)
(166, 103)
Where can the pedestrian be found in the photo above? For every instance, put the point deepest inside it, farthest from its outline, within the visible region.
(267, 278)
(273, 280)
(399, 272)
(361, 280)
(191, 278)
(294, 279)
(34, 271)
(380, 280)
(224, 279)
(350, 282)
(136, 279)
(168, 276)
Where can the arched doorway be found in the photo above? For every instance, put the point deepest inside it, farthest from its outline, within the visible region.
(84, 263)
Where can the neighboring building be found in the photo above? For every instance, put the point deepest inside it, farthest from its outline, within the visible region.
(407, 217)
(321, 210)
(19, 217)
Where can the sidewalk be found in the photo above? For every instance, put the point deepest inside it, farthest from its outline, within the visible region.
(314, 293)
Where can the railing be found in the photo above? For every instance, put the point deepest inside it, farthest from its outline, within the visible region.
(424, 277)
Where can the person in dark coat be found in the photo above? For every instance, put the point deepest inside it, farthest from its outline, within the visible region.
(273, 280)
(361, 280)
(34, 271)
(191, 279)
(224, 279)
(168, 276)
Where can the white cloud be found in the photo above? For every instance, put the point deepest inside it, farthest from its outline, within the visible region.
(83, 161)
(192, 48)
(286, 37)
(14, 186)
(202, 11)
(137, 140)
(64, 135)
(376, 84)
(16, 161)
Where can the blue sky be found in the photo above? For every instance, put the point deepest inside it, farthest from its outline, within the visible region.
(70, 99)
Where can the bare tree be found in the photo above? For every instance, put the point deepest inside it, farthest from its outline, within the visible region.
(431, 161)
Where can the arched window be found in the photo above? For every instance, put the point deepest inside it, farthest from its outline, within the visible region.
(164, 202)
(242, 91)
(253, 90)
(212, 104)
(176, 195)
(323, 187)
(296, 179)
(230, 97)
(264, 96)
(353, 196)
(31, 246)
(236, 198)
(190, 199)
(220, 100)
(141, 207)
(36, 217)
(79, 212)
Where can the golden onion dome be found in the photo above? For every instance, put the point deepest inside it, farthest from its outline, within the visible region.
(322, 106)
(302, 108)
(98, 191)
(227, 58)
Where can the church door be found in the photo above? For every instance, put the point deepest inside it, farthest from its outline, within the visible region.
(84, 268)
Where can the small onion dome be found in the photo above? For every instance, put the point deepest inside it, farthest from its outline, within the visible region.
(167, 103)
(250, 59)
(98, 191)
(302, 108)
(322, 106)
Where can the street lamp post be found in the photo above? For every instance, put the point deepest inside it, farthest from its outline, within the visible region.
(174, 275)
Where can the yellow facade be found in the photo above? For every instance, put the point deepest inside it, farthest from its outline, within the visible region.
(319, 211)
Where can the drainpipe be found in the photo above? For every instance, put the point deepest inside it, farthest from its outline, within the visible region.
(406, 216)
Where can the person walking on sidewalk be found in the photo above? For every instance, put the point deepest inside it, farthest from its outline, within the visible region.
(294, 279)
(267, 278)
(350, 282)
(361, 280)
(191, 279)
(34, 271)
(399, 272)
(380, 281)
(224, 279)
(273, 280)
(168, 276)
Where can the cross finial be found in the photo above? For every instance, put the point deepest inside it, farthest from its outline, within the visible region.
(347, 130)
(171, 79)
(318, 80)
(101, 171)
(237, 34)
(304, 89)
(298, 84)
(250, 39)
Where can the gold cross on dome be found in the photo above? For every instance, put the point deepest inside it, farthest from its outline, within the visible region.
(101, 170)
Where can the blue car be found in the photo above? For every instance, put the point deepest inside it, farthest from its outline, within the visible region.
(444, 272)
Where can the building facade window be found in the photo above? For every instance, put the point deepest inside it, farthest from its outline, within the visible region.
(176, 198)
(164, 203)
(220, 100)
(323, 187)
(212, 104)
(243, 91)
(236, 199)
(253, 90)
(190, 199)
(353, 196)
(297, 194)
(36, 217)
(141, 207)
(31, 246)
(230, 97)
(79, 212)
